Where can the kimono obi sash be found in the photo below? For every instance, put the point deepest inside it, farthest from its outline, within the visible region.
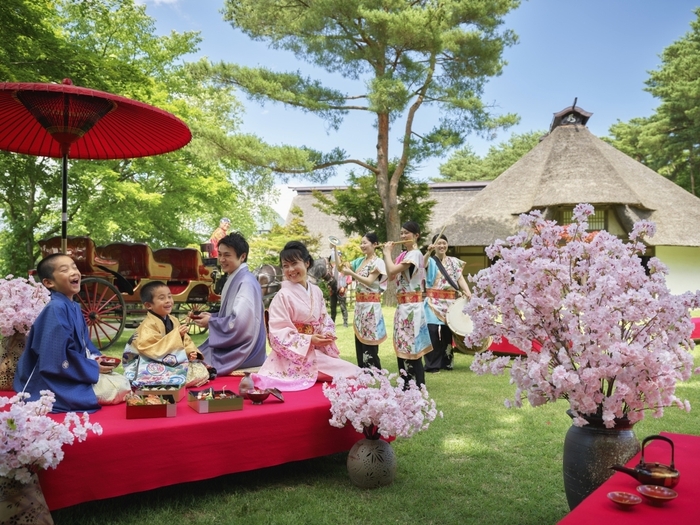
(435, 293)
(409, 297)
(306, 329)
(368, 297)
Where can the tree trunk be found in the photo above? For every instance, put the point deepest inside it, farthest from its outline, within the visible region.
(692, 174)
(388, 192)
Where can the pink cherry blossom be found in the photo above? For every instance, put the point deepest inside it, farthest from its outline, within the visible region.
(21, 300)
(30, 440)
(373, 405)
(614, 340)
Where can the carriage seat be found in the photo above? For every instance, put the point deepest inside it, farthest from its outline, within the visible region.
(187, 264)
(136, 261)
(83, 251)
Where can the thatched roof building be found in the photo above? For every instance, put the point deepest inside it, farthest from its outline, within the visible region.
(449, 196)
(569, 166)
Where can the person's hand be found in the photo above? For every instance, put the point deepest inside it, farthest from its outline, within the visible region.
(346, 270)
(201, 319)
(388, 246)
(105, 369)
(431, 248)
(192, 356)
(184, 328)
(322, 339)
(105, 364)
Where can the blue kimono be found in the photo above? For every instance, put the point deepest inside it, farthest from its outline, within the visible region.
(237, 332)
(57, 352)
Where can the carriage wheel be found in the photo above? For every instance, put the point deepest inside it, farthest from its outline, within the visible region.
(195, 308)
(104, 310)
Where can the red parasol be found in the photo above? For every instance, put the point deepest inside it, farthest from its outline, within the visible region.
(66, 121)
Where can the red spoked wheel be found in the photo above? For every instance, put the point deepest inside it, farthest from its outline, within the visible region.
(184, 311)
(104, 310)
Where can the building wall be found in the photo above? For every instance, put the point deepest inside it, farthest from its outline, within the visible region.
(683, 267)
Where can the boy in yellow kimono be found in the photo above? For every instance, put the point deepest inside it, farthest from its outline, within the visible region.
(161, 352)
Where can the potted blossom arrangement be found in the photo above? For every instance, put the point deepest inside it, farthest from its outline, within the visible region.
(21, 300)
(30, 440)
(598, 330)
(376, 407)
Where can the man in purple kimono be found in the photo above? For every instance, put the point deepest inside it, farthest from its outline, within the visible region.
(237, 332)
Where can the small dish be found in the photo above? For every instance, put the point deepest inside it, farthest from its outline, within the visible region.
(106, 360)
(257, 396)
(625, 500)
(276, 393)
(657, 495)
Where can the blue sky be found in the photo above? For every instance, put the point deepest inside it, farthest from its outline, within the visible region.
(599, 51)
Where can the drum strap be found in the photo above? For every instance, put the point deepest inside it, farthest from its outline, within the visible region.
(443, 271)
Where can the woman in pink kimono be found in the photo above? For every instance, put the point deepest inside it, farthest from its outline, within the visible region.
(301, 333)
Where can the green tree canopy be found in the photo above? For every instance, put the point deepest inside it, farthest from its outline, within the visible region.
(173, 199)
(667, 141)
(464, 164)
(407, 55)
(359, 210)
(265, 249)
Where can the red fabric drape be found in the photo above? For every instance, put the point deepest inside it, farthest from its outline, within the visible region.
(597, 508)
(141, 454)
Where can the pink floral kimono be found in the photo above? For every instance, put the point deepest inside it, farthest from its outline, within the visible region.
(295, 315)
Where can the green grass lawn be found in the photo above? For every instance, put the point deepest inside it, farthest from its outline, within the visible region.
(481, 463)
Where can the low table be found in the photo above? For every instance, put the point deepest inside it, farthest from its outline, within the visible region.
(142, 454)
(597, 508)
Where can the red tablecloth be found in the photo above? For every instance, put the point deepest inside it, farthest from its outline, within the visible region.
(597, 508)
(696, 328)
(141, 454)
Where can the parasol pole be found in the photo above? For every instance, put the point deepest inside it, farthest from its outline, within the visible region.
(65, 148)
(64, 202)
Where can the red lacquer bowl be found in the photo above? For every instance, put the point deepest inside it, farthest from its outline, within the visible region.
(105, 360)
(257, 396)
(624, 499)
(657, 495)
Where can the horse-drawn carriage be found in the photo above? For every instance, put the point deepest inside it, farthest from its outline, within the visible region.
(113, 276)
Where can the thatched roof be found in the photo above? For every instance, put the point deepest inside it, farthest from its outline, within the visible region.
(449, 196)
(569, 166)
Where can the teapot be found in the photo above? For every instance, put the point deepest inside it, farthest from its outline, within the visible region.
(653, 473)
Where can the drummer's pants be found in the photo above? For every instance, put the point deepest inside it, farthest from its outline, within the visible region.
(367, 355)
(440, 357)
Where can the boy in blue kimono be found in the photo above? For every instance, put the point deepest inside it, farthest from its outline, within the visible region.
(59, 355)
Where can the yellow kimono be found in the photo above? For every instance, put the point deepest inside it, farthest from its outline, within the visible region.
(153, 356)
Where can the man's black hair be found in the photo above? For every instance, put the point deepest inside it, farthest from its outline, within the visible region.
(237, 243)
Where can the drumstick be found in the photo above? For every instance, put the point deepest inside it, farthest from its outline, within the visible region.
(438, 235)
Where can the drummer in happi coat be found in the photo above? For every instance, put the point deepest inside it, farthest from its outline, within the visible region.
(444, 283)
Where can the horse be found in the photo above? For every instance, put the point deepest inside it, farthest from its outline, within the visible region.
(270, 279)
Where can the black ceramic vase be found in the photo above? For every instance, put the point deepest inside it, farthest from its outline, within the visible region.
(590, 451)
